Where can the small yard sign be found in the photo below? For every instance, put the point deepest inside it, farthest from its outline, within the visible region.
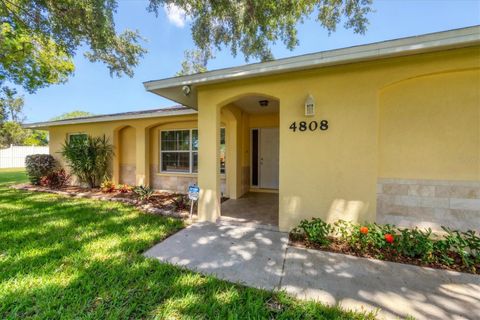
(193, 193)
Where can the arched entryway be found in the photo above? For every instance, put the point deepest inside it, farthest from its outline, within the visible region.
(126, 151)
(252, 159)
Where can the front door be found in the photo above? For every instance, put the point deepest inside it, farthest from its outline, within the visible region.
(268, 158)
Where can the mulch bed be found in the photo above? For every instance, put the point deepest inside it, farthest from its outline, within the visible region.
(160, 203)
(392, 255)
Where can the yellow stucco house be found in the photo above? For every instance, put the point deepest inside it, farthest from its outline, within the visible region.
(387, 131)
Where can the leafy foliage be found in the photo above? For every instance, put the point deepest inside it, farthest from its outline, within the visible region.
(38, 166)
(124, 188)
(195, 61)
(143, 192)
(107, 186)
(372, 239)
(251, 27)
(11, 114)
(181, 202)
(40, 38)
(72, 115)
(317, 230)
(55, 179)
(89, 159)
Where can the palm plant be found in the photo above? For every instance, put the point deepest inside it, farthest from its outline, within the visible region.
(89, 159)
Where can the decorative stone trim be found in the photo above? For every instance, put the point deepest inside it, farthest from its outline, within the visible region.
(127, 173)
(429, 203)
(145, 207)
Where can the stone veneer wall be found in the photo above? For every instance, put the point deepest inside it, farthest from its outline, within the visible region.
(127, 174)
(429, 203)
(175, 183)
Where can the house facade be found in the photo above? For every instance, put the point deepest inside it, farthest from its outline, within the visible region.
(386, 132)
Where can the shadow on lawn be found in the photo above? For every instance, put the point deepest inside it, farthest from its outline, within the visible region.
(74, 258)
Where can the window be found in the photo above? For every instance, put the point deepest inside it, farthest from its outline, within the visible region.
(176, 151)
(179, 151)
(77, 137)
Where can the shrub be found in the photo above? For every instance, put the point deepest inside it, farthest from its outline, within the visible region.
(38, 166)
(415, 243)
(107, 186)
(316, 230)
(55, 179)
(89, 159)
(143, 192)
(124, 188)
(466, 245)
(181, 202)
(454, 248)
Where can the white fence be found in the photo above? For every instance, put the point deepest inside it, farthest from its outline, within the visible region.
(14, 157)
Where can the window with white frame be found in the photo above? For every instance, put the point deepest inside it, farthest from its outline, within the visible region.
(179, 151)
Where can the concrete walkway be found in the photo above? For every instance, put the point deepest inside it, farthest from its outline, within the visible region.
(262, 258)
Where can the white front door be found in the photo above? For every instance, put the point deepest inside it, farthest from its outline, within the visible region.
(269, 155)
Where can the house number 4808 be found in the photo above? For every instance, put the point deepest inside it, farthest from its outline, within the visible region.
(310, 126)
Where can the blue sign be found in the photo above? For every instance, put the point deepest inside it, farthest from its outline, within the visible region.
(193, 192)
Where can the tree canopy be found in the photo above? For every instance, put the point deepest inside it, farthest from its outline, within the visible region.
(39, 38)
(72, 115)
(11, 116)
(252, 27)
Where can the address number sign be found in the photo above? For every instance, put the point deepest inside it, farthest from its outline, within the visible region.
(310, 126)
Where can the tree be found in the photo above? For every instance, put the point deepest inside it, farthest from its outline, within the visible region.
(72, 115)
(251, 27)
(11, 105)
(195, 61)
(11, 133)
(38, 40)
(11, 115)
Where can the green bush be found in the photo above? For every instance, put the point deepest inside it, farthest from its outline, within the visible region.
(143, 192)
(55, 179)
(89, 159)
(415, 243)
(372, 239)
(317, 231)
(38, 166)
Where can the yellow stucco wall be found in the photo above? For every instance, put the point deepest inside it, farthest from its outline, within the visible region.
(126, 148)
(333, 174)
(429, 127)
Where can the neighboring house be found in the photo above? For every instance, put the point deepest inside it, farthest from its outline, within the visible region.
(388, 131)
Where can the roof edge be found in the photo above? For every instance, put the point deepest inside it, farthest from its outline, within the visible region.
(390, 48)
(108, 118)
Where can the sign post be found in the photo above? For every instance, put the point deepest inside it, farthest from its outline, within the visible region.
(193, 194)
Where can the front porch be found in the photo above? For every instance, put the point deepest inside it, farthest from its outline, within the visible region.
(258, 208)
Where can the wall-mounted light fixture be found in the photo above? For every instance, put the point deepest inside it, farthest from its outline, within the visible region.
(186, 90)
(263, 103)
(310, 106)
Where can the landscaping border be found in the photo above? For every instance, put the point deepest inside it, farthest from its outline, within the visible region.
(141, 205)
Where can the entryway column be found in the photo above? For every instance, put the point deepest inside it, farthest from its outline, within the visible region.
(209, 162)
(142, 163)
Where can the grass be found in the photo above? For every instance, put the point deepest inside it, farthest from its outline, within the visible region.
(76, 258)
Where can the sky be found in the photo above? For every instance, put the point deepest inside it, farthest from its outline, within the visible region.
(92, 89)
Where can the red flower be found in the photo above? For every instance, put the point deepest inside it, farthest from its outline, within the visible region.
(389, 238)
(364, 230)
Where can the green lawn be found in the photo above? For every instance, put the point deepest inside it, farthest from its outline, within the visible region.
(73, 258)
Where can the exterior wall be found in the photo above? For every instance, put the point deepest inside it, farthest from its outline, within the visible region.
(333, 174)
(123, 134)
(126, 151)
(130, 143)
(429, 203)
